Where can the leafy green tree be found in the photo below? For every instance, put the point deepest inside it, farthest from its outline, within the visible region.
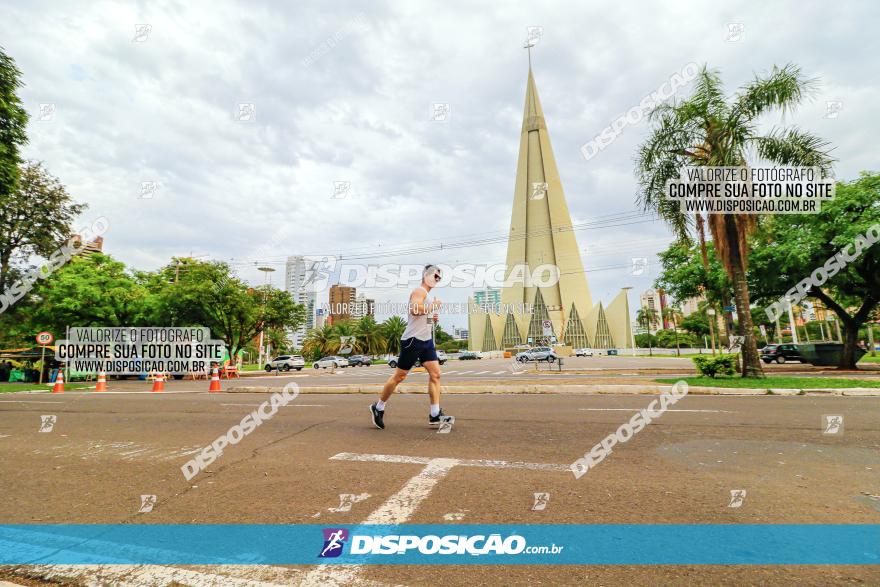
(440, 335)
(13, 130)
(89, 291)
(696, 323)
(791, 247)
(669, 338)
(35, 218)
(197, 293)
(707, 129)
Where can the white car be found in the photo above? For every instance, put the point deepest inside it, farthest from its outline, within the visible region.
(286, 363)
(583, 352)
(331, 361)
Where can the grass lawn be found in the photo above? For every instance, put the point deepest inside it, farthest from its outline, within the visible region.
(870, 359)
(684, 355)
(8, 387)
(777, 382)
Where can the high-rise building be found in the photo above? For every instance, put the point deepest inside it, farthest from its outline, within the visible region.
(654, 300)
(363, 306)
(691, 305)
(540, 235)
(488, 297)
(91, 247)
(296, 273)
(459, 333)
(342, 302)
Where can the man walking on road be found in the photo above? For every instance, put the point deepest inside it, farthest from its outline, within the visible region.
(417, 344)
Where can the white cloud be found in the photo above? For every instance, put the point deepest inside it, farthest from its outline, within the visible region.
(163, 110)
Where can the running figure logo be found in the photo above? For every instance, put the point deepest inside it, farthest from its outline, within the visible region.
(147, 503)
(833, 424)
(334, 540)
(47, 423)
(737, 497)
(541, 500)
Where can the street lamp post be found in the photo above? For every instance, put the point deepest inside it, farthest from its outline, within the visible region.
(268, 271)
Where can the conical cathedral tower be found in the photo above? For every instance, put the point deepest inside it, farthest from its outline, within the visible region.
(541, 240)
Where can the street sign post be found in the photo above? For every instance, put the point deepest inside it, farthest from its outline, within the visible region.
(43, 339)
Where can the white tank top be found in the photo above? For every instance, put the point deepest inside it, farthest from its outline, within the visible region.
(418, 326)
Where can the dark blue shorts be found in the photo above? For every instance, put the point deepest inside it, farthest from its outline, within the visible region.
(413, 349)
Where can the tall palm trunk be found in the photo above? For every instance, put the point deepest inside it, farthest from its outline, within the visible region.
(751, 358)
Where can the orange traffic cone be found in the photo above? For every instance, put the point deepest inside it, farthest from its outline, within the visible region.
(59, 382)
(102, 381)
(159, 382)
(215, 381)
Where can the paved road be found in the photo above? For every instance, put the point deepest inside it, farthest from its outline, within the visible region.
(484, 371)
(106, 450)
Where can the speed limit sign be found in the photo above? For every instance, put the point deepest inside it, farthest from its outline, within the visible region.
(45, 338)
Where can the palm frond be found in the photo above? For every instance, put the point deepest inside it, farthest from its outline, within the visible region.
(783, 88)
(794, 147)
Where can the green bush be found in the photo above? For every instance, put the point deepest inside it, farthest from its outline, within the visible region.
(710, 365)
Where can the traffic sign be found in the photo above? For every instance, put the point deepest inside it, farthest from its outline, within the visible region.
(45, 338)
(547, 327)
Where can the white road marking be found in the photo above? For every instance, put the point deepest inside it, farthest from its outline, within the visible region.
(464, 372)
(348, 456)
(481, 372)
(637, 409)
(287, 406)
(500, 372)
(400, 506)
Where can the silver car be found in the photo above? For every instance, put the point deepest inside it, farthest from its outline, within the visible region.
(538, 353)
(286, 363)
(329, 362)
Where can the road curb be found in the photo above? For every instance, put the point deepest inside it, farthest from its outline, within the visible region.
(519, 389)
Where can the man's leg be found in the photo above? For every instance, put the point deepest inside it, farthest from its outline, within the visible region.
(436, 415)
(433, 369)
(396, 379)
(377, 410)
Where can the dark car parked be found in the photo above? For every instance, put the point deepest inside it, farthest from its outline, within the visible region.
(359, 361)
(780, 353)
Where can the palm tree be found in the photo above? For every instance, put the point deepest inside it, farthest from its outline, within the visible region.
(646, 317)
(347, 328)
(319, 342)
(369, 336)
(709, 130)
(670, 313)
(392, 329)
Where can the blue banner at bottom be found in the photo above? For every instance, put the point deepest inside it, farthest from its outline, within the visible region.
(611, 544)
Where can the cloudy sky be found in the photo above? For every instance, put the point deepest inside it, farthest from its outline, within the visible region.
(151, 92)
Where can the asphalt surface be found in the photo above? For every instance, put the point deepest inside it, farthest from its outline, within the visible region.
(575, 370)
(107, 450)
